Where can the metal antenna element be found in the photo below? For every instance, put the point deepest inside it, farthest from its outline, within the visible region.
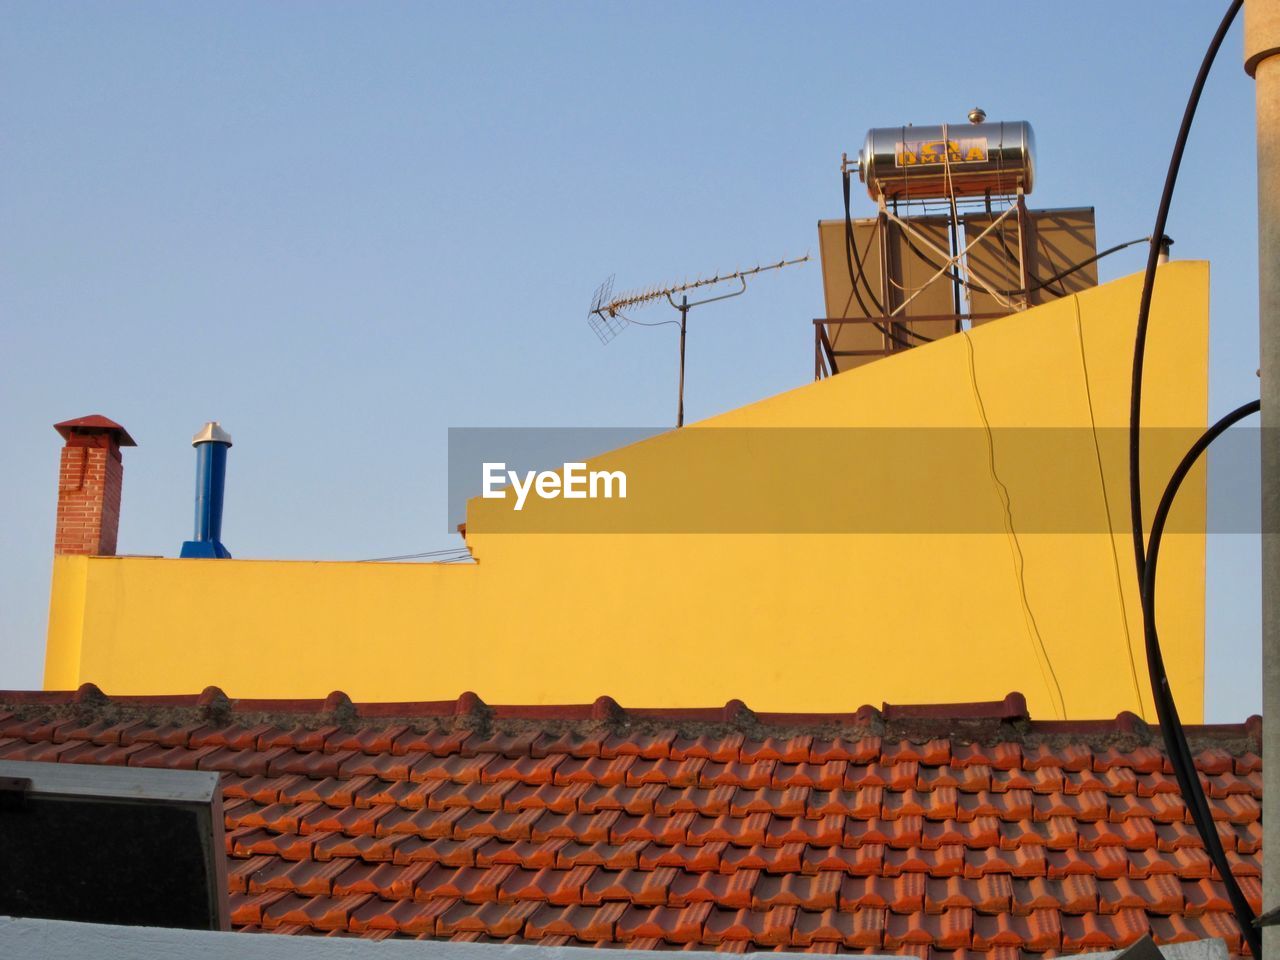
(607, 319)
(606, 308)
(606, 325)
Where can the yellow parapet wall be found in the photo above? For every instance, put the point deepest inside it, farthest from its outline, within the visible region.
(997, 598)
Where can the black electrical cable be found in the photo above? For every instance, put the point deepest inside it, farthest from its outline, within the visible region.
(417, 556)
(850, 254)
(1009, 255)
(1083, 263)
(1170, 726)
(1037, 283)
(851, 251)
(1175, 739)
(1149, 279)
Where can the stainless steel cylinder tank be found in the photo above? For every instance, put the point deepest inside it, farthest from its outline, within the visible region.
(964, 159)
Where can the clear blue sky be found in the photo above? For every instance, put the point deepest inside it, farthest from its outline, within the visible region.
(341, 229)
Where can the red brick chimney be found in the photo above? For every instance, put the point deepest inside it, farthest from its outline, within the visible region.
(89, 481)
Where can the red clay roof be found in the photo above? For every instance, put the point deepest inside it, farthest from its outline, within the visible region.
(910, 830)
(95, 423)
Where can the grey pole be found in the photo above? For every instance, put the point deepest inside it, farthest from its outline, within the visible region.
(684, 323)
(1262, 62)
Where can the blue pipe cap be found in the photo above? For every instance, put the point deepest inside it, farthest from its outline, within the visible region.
(211, 432)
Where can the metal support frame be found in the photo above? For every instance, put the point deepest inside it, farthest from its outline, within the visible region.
(684, 306)
(1024, 249)
(959, 259)
(956, 266)
(825, 357)
(886, 289)
(684, 328)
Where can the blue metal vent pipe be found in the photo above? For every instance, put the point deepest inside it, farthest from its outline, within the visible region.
(211, 445)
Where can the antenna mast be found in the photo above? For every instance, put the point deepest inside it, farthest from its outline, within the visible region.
(607, 319)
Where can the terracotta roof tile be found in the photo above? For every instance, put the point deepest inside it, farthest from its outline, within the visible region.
(1140, 760)
(1103, 931)
(326, 846)
(761, 928)
(1074, 757)
(1073, 894)
(792, 750)
(155, 755)
(318, 913)
(390, 881)
(829, 926)
(817, 892)
(1243, 865)
(1248, 762)
(988, 894)
(1038, 931)
(114, 755)
(547, 796)
(694, 859)
(239, 871)
(742, 831)
(248, 841)
(307, 877)
(950, 929)
(732, 890)
(398, 916)
(583, 827)
(410, 795)
(247, 908)
(580, 922)
(474, 884)
(788, 858)
(371, 740)
(895, 776)
(509, 745)
(978, 833)
(1105, 862)
(1161, 894)
(526, 853)
(654, 746)
(570, 743)
(671, 924)
(709, 801)
(714, 829)
(904, 894)
(490, 919)
(969, 779)
(1025, 861)
(604, 771)
(822, 802)
(1000, 756)
(437, 742)
(1214, 761)
(823, 776)
(1248, 837)
(331, 791)
(719, 749)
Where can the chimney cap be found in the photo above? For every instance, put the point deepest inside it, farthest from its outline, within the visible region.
(211, 432)
(95, 423)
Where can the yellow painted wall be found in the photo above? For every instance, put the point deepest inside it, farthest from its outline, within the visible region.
(784, 621)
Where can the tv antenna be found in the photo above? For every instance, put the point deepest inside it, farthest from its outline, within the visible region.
(607, 318)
